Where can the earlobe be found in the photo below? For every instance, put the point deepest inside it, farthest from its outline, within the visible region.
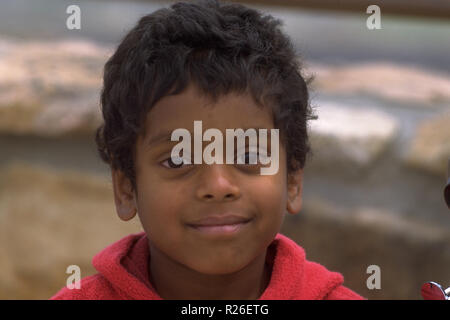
(124, 198)
(295, 184)
(126, 214)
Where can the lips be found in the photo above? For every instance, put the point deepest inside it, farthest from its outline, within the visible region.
(220, 225)
(219, 220)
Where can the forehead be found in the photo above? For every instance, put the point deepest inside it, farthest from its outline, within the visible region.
(230, 111)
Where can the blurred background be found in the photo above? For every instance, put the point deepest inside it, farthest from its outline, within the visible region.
(373, 190)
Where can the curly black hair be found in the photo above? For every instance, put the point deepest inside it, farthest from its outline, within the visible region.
(221, 47)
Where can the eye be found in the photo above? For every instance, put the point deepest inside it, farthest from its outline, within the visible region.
(250, 157)
(172, 165)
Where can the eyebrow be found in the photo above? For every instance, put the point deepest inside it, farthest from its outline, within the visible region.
(166, 135)
(161, 137)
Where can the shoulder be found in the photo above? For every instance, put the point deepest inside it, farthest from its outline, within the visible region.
(331, 280)
(94, 287)
(302, 278)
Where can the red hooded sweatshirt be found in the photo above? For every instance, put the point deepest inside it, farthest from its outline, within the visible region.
(123, 274)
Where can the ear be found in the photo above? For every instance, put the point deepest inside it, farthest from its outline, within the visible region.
(124, 196)
(295, 188)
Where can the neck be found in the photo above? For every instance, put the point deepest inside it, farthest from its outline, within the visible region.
(174, 281)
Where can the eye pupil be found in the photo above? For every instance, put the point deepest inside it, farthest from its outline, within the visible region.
(250, 157)
(247, 158)
(173, 165)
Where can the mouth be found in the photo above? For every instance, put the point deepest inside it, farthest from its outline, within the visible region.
(220, 225)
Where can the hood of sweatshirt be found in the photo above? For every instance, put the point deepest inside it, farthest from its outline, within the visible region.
(125, 264)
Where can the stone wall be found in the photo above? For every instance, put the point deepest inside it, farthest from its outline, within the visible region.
(372, 189)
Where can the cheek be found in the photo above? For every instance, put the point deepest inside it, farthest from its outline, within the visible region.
(158, 205)
(271, 195)
(272, 189)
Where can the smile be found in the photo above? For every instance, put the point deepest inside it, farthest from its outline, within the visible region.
(221, 226)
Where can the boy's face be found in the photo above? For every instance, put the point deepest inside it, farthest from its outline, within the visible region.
(170, 201)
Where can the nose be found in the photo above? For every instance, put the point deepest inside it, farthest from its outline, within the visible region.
(217, 184)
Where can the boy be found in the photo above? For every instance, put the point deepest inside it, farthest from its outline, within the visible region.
(211, 230)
